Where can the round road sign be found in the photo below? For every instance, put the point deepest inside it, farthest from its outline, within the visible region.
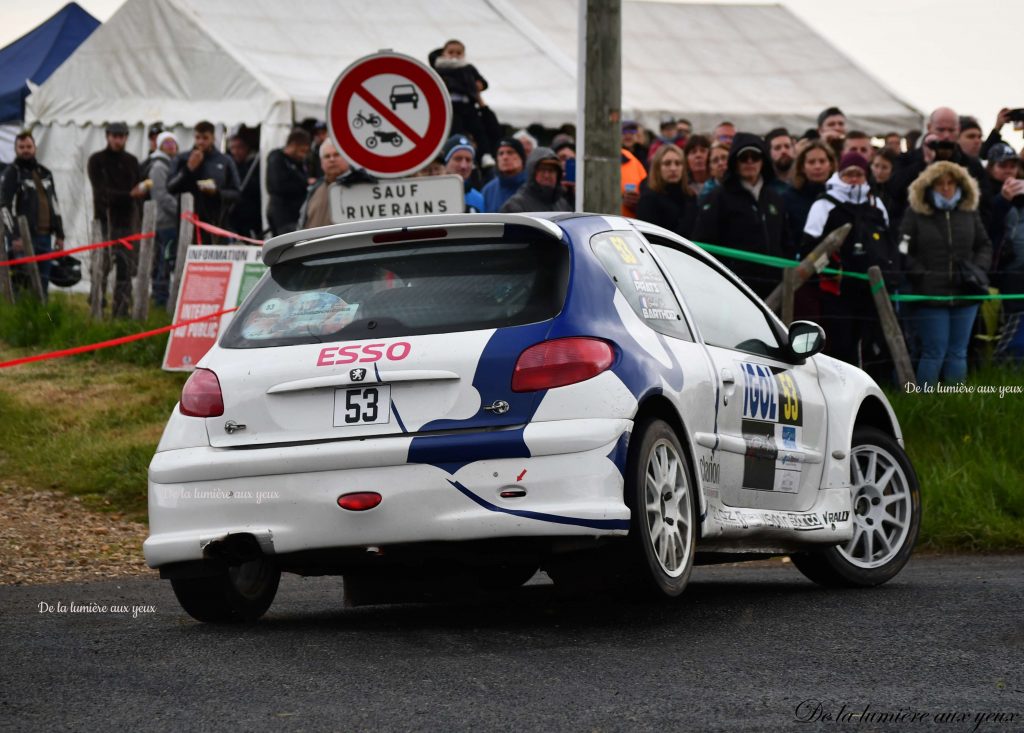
(389, 114)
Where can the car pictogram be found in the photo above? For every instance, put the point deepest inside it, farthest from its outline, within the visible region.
(404, 94)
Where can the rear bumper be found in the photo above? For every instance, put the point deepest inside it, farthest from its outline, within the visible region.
(287, 496)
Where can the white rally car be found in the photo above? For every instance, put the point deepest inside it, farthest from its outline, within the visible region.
(574, 392)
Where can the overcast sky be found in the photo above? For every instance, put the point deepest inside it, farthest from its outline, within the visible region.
(929, 52)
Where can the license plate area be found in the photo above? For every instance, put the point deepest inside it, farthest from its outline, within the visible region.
(365, 405)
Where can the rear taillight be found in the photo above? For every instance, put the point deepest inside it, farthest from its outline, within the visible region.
(201, 396)
(561, 362)
(359, 501)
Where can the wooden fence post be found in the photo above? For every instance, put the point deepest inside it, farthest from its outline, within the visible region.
(186, 230)
(144, 276)
(6, 289)
(789, 286)
(812, 264)
(97, 268)
(34, 279)
(891, 328)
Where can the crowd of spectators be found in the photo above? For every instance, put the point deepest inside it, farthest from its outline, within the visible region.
(779, 193)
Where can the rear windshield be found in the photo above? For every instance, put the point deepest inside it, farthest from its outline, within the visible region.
(403, 290)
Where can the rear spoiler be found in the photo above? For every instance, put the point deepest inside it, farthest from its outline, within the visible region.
(336, 237)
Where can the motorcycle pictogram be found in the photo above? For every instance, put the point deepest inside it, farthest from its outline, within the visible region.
(385, 137)
(373, 120)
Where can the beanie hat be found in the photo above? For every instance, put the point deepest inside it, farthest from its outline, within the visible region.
(456, 143)
(853, 160)
(165, 136)
(563, 140)
(511, 142)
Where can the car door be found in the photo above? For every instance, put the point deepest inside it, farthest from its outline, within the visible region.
(769, 429)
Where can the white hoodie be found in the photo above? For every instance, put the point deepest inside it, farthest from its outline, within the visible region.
(844, 192)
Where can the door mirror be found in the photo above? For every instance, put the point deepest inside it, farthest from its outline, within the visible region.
(806, 339)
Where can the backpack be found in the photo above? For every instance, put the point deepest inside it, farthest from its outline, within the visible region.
(869, 243)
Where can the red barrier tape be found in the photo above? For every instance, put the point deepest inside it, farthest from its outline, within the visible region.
(195, 220)
(56, 254)
(111, 342)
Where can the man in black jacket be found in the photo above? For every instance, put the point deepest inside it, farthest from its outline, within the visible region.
(114, 175)
(209, 175)
(287, 182)
(246, 215)
(26, 189)
(746, 213)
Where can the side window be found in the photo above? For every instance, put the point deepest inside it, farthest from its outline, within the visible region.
(724, 314)
(637, 276)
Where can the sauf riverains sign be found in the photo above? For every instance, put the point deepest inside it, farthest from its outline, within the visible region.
(390, 115)
(404, 197)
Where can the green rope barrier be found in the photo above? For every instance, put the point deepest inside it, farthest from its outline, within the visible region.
(783, 263)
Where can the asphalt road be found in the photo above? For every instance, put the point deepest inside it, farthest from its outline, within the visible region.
(747, 648)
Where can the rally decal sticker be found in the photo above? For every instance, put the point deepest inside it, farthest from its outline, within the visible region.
(771, 425)
(754, 519)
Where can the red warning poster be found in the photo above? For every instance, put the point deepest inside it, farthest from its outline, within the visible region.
(203, 290)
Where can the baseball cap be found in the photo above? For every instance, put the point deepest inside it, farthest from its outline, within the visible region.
(630, 125)
(1000, 152)
(155, 129)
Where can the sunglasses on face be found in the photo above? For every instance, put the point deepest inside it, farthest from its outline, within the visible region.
(748, 158)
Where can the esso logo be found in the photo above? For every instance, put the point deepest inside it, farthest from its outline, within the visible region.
(333, 355)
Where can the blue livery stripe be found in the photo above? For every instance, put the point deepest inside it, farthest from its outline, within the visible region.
(542, 517)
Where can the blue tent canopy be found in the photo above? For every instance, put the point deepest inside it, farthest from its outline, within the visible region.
(37, 54)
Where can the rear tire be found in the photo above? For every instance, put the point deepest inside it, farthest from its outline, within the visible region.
(660, 495)
(886, 517)
(239, 594)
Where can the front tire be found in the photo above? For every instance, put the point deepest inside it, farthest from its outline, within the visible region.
(238, 594)
(886, 517)
(660, 495)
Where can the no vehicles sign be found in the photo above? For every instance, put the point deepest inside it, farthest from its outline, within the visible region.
(389, 114)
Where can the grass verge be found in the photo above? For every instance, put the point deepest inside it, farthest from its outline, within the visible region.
(89, 424)
(966, 450)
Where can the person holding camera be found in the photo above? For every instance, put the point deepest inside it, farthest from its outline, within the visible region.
(1006, 116)
(948, 254)
(940, 144)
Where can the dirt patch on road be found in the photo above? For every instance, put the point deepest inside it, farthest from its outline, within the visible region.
(50, 537)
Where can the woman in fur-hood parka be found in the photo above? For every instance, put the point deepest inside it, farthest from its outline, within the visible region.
(933, 247)
(942, 228)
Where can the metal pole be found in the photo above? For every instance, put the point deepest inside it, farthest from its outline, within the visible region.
(600, 67)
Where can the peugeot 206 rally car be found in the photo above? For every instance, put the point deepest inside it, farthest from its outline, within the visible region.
(573, 392)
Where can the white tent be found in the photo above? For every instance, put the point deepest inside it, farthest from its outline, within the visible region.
(758, 66)
(268, 63)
